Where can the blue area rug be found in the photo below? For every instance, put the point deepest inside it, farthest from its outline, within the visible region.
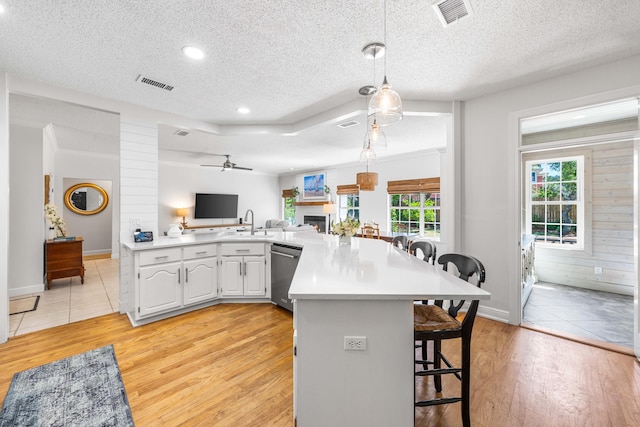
(82, 390)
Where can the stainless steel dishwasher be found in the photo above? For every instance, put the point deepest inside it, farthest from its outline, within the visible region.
(284, 260)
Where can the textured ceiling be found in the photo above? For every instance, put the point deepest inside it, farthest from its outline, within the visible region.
(290, 60)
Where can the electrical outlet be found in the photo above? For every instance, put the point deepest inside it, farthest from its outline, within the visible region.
(135, 223)
(597, 271)
(355, 343)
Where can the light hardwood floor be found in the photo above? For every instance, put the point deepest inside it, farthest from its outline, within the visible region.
(231, 365)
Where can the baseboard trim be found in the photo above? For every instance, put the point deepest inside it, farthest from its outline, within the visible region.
(91, 257)
(582, 340)
(493, 314)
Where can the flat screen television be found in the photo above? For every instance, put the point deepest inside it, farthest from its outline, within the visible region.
(216, 206)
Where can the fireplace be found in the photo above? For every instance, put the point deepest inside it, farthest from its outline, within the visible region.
(319, 222)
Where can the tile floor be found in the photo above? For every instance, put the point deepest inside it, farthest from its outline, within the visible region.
(597, 315)
(70, 301)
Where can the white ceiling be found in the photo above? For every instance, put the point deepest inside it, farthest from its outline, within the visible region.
(289, 61)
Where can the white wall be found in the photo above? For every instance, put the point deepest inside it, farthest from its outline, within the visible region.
(97, 229)
(177, 185)
(490, 211)
(4, 207)
(89, 167)
(26, 213)
(373, 204)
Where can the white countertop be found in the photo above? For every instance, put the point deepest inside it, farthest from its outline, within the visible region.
(372, 269)
(368, 269)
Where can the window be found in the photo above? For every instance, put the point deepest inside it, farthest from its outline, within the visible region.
(349, 205)
(289, 210)
(415, 213)
(555, 207)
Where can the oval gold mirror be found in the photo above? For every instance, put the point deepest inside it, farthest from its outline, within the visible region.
(86, 199)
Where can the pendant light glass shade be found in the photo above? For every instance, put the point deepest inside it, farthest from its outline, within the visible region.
(375, 137)
(367, 155)
(386, 105)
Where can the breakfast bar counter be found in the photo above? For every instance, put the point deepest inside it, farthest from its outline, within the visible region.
(363, 293)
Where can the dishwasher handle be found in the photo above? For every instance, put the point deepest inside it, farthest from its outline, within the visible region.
(284, 255)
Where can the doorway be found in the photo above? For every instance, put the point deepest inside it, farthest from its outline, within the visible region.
(58, 140)
(577, 202)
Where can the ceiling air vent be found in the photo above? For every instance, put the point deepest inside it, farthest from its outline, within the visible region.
(152, 82)
(181, 132)
(348, 124)
(450, 11)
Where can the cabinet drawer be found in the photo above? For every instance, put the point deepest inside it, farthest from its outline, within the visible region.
(200, 251)
(240, 249)
(159, 256)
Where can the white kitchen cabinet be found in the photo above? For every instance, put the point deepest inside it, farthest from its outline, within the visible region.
(159, 288)
(255, 276)
(200, 274)
(232, 282)
(169, 279)
(243, 270)
(161, 282)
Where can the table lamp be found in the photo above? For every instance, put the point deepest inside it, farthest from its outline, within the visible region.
(329, 208)
(183, 212)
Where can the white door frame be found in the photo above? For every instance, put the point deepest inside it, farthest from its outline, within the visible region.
(515, 174)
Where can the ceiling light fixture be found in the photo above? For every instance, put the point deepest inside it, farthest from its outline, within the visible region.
(243, 110)
(375, 137)
(386, 103)
(1, 8)
(367, 181)
(193, 52)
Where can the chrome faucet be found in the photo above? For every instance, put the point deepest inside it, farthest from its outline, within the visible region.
(246, 218)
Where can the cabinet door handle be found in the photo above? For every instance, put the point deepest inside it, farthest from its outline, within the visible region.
(245, 268)
(186, 275)
(178, 276)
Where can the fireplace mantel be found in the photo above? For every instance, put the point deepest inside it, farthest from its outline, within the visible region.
(316, 203)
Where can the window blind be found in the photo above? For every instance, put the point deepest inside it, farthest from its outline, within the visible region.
(420, 185)
(288, 194)
(348, 189)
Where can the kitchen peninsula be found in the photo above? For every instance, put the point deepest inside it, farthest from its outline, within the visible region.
(365, 290)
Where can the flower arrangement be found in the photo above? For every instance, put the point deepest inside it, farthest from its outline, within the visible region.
(54, 219)
(327, 190)
(295, 191)
(347, 228)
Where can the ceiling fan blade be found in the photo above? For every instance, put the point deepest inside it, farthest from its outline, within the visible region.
(241, 168)
(213, 166)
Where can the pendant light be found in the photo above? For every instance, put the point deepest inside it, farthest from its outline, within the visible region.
(367, 181)
(386, 104)
(375, 137)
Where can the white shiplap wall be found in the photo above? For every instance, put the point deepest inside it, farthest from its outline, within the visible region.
(138, 190)
(138, 176)
(610, 236)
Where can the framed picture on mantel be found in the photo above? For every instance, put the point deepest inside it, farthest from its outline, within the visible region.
(313, 186)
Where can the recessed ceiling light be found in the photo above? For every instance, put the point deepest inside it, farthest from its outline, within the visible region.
(1, 8)
(243, 110)
(193, 52)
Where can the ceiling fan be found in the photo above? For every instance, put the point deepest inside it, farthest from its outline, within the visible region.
(227, 164)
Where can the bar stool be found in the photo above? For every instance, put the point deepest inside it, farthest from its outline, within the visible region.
(401, 242)
(427, 247)
(433, 323)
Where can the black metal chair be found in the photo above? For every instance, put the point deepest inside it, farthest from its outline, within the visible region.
(401, 242)
(427, 247)
(432, 323)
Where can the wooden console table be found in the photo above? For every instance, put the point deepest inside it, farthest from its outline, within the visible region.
(64, 259)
